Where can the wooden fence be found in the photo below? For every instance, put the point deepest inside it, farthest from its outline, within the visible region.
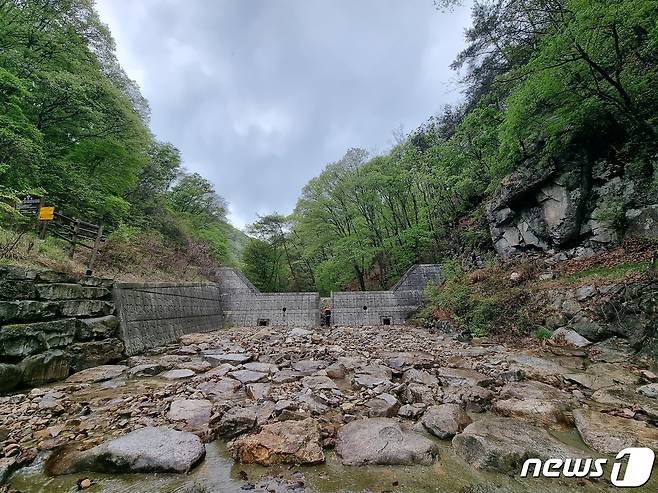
(76, 232)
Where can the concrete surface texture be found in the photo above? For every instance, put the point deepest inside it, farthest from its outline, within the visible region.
(391, 307)
(284, 309)
(155, 314)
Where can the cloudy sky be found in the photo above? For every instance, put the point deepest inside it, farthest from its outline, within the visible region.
(260, 95)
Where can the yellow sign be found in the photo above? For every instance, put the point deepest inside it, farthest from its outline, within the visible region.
(46, 214)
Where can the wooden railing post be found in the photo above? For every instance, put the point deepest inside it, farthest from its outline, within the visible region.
(97, 244)
(74, 237)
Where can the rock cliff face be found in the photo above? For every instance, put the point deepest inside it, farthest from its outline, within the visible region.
(557, 205)
(52, 324)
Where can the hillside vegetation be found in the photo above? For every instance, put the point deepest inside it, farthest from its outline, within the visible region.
(75, 130)
(559, 90)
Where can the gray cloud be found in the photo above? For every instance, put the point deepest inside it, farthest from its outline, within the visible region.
(260, 95)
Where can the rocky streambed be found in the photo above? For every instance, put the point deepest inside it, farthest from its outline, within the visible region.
(334, 409)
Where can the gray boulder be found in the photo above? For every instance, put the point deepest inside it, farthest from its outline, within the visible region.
(145, 450)
(503, 445)
(46, 367)
(445, 421)
(382, 441)
(610, 434)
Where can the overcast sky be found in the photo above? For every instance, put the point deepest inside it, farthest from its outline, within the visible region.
(260, 95)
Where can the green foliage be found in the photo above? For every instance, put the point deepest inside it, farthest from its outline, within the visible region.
(545, 81)
(73, 125)
(543, 334)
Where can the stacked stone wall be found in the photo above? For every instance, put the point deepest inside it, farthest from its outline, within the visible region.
(53, 324)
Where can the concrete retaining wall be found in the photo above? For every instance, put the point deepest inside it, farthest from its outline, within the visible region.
(373, 307)
(289, 309)
(391, 307)
(155, 314)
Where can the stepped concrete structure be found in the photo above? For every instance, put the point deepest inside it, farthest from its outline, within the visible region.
(153, 314)
(391, 307)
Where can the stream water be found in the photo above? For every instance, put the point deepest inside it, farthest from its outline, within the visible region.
(220, 474)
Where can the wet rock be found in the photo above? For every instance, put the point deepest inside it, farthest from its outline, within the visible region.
(536, 402)
(285, 442)
(445, 421)
(194, 412)
(503, 444)
(147, 450)
(97, 374)
(460, 377)
(568, 337)
(384, 405)
(237, 420)
(382, 441)
(610, 434)
(248, 376)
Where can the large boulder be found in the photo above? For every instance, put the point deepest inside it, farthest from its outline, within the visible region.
(504, 444)
(153, 449)
(97, 374)
(610, 434)
(194, 413)
(382, 441)
(95, 353)
(537, 207)
(445, 421)
(49, 366)
(238, 420)
(537, 402)
(21, 340)
(285, 442)
(624, 399)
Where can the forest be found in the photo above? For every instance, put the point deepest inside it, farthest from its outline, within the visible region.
(74, 129)
(542, 80)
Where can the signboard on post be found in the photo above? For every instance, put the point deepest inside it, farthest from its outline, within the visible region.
(46, 213)
(29, 205)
